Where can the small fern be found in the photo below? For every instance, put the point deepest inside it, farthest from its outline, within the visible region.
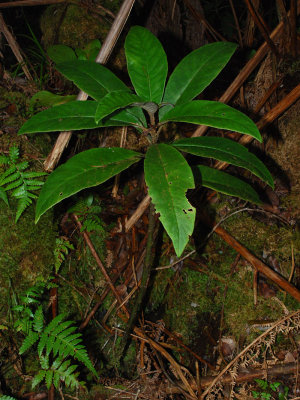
(57, 341)
(31, 297)
(7, 398)
(62, 248)
(19, 182)
(87, 214)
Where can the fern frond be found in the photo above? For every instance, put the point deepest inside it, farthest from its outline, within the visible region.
(47, 331)
(92, 223)
(49, 378)
(29, 341)
(38, 320)
(13, 153)
(33, 182)
(62, 249)
(33, 174)
(15, 184)
(23, 203)
(4, 160)
(66, 374)
(44, 361)
(12, 176)
(62, 341)
(3, 196)
(22, 165)
(38, 378)
(7, 398)
(20, 181)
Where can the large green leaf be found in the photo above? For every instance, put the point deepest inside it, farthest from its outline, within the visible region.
(86, 169)
(225, 183)
(114, 101)
(77, 115)
(147, 64)
(215, 114)
(168, 177)
(94, 79)
(195, 72)
(225, 150)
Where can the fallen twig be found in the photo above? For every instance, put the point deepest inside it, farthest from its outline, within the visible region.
(14, 47)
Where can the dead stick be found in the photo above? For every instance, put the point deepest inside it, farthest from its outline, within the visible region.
(105, 51)
(30, 3)
(261, 26)
(99, 263)
(14, 47)
(244, 376)
(258, 264)
(293, 23)
(269, 117)
(245, 72)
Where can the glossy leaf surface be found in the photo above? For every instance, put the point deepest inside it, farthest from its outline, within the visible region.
(224, 183)
(225, 150)
(215, 114)
(73, 116)
(94, 79)
(86, 169)
(147, 64)
(168, 177)
(195, 72)
(114, 101)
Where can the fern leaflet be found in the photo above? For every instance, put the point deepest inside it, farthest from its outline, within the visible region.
(17, 180)
(29, 341)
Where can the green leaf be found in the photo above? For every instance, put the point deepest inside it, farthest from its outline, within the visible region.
(92, 49)
(38, 321)
(49, 377)
(225, 183)
(195, 72)
(60, 53)
(75, 115)
(39, 377)
(225, 150)
(114, 101)
(168, 177)
(3, 196)
(87, 169)
(29, 341)
(94, 79)
(48, 99)
(215, 114)
(147, 64)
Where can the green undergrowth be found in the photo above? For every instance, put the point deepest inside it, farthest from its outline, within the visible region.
(191, 302)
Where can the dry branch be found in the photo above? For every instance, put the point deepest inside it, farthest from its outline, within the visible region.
(246, 71)
(245, 375)
(14, 47)
(22, 3)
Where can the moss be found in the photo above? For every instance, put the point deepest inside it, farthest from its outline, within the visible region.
(265, 240)
(26, 249)
(72, 25)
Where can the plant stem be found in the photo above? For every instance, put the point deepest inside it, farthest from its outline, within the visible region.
(144, 280)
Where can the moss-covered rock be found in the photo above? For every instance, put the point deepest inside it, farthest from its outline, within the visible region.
(72, 25)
